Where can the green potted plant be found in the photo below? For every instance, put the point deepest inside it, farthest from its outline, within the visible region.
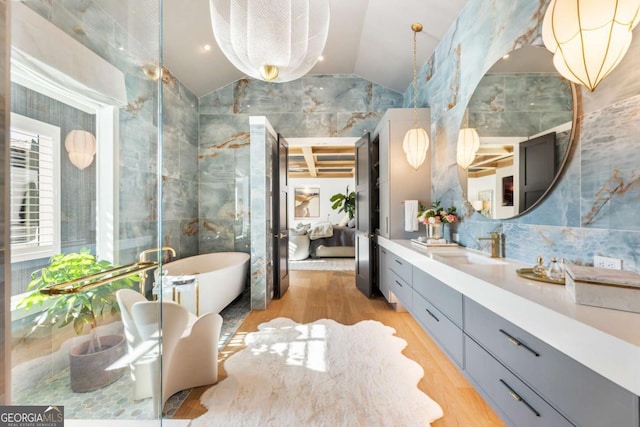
(345, 203)
(89, 359)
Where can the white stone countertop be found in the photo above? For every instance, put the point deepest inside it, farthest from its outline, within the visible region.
(606, 341)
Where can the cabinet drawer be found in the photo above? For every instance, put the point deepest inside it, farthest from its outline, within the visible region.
(447, 299)
(399, 266)
(509, 396)
(400, 289)
(441, 329)
(383, 273)
(580, 394)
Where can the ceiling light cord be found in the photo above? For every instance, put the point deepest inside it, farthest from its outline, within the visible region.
(416, 29)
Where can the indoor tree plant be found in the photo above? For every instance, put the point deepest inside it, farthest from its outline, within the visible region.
(345, 202)
(81, 309)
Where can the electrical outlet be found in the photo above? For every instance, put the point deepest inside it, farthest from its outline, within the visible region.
(606, 262)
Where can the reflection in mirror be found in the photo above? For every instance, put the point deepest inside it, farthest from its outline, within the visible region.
(523, 111)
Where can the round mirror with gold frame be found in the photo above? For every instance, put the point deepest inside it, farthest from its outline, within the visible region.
(525, 115)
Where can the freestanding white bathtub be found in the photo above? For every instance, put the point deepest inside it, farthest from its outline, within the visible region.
(221, 277)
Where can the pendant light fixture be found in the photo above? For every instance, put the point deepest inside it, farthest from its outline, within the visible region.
(468, 144)
(416, 140)
(589, 38)
(271, 40)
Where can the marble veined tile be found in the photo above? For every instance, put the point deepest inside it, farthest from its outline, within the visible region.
(219, 129)
(218, 200)
(537, 92)
(256, 97)
(323, 94)
(384, 98)
(299, 125)
(489, 95)
(139, 201)
(138, 143)
(357, 124)
(219, 101)
(177, 114)
(610, 177)
(178, 199)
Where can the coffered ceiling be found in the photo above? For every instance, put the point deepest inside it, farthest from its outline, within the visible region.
(370, 38)
(321, 161)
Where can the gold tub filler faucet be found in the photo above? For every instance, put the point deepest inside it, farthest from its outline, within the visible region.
(497, 244)
(143, 258)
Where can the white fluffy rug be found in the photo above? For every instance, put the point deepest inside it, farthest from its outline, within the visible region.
(320, 374)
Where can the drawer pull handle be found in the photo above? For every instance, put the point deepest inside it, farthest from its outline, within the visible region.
(398, 283)
(518, 343)
(384, 252)
(432, 315)
(518, 398)
(398, 261)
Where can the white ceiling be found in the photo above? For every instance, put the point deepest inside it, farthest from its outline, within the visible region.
(370, 38)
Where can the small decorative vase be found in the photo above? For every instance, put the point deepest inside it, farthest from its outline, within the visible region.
(435, 231)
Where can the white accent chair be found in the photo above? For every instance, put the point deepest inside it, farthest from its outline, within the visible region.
(187, 345)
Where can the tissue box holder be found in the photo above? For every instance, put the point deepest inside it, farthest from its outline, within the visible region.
(600, 287)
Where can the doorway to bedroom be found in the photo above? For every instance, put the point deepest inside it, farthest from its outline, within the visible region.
(321, 229)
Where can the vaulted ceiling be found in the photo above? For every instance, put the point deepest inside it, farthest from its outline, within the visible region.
(370, 38)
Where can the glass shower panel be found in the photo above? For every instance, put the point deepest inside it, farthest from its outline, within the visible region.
(86, 147)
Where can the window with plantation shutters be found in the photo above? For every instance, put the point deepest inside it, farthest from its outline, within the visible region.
(35, 205)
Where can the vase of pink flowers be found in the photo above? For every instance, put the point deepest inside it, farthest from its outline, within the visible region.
(435, 218)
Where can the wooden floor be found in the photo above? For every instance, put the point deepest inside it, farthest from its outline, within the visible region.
(316, 295)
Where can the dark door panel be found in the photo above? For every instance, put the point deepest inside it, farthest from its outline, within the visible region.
(366, 215)
(280, 218)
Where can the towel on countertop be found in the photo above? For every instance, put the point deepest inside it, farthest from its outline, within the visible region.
(410, 215)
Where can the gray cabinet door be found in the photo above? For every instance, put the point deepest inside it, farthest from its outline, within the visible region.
(441, 329)
(513, 399)
(383, 273)
(447, 299)
(583, 396)
(401, 289)
(401, 267)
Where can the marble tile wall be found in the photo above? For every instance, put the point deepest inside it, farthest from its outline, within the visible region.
(180, 224)
(263, 141)
(313, 106)
(78, 187)
(126, 36)
(519, 104)
(590, 210)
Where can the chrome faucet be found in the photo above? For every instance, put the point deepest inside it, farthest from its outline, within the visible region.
(497, 244)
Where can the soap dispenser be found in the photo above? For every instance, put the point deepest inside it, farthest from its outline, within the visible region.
(554, 271)
(538, 269)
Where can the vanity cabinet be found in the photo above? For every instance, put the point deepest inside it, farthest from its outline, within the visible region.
(527, 381)
(396, 173)
(383, 273)
(580, 394)
(446, 333)
(438, 309)
(394, 279)
(518, 404)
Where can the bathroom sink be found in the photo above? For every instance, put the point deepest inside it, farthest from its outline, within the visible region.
(459, 257)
